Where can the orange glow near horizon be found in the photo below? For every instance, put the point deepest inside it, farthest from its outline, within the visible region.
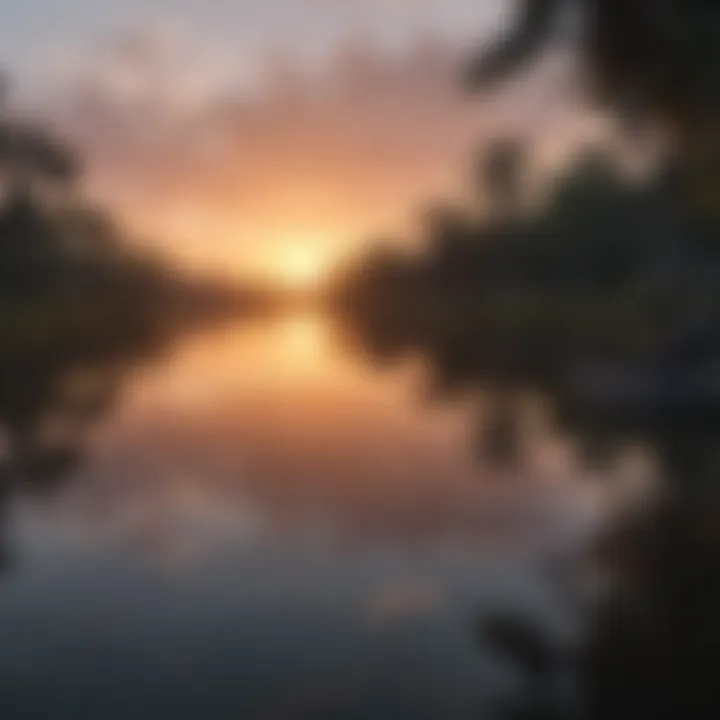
(301, 266)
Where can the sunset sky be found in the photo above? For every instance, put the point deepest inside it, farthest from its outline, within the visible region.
(266, 138)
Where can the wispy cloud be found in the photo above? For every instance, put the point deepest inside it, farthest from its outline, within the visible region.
(213, 153)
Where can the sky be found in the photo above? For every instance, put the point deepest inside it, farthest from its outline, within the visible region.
(267, 138)
(33, 29)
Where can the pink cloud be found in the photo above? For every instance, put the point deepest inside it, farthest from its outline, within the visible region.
(187, 151)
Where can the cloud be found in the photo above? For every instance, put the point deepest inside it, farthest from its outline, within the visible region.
(219, 156)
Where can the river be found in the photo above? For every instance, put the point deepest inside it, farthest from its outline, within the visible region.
(267, 524)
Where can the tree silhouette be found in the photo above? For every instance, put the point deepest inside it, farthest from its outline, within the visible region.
(654, 59)
(31, 157)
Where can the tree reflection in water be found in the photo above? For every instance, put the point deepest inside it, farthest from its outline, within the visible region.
(646, 639)
(603, 304)
(51, 396)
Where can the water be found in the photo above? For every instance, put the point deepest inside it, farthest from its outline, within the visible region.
(265, 524)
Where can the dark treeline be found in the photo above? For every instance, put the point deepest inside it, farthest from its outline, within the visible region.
(77, 308)
(64, 257)
(604, 294)
(607, 273)
(80, 306)
(604, 297)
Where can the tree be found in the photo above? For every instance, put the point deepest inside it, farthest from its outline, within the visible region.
(652, 59)
(30, 157)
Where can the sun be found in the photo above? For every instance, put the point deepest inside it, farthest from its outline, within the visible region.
(302, 267)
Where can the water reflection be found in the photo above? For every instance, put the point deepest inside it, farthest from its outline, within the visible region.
(52, 395)
(266, 526)
(634, 633)
(306, 534)
(274, 418)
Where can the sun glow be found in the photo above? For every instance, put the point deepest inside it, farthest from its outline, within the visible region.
(302, 267)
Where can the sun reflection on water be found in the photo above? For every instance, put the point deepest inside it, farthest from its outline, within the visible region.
(306, 336)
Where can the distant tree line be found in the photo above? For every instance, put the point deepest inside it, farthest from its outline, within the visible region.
(608, 267)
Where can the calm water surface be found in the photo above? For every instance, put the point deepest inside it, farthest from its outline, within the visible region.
(269, 526)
